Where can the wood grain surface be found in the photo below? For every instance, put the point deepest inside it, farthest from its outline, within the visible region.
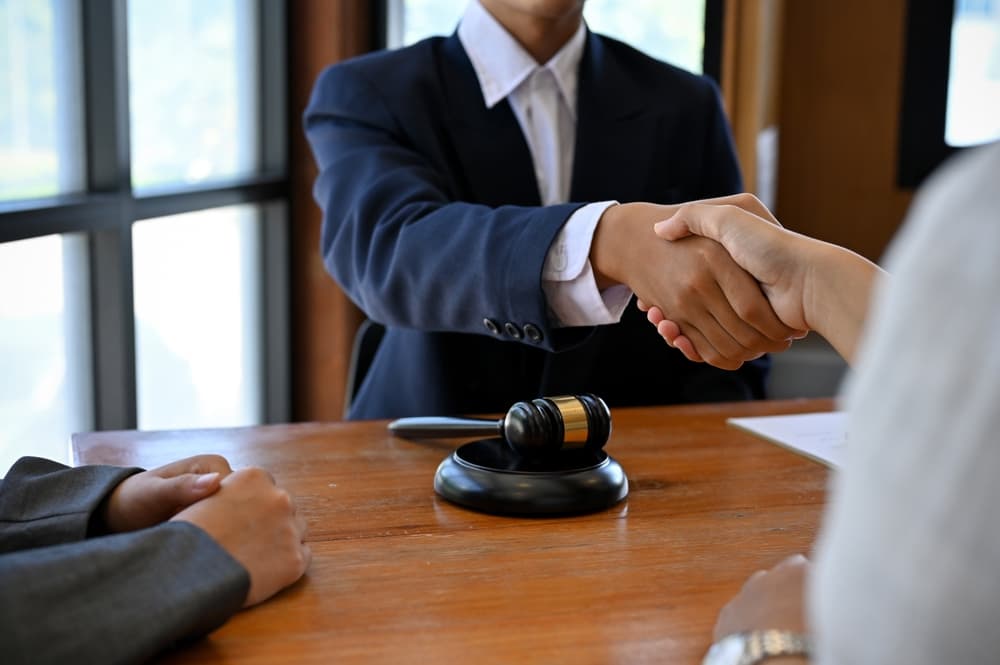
(400, 575)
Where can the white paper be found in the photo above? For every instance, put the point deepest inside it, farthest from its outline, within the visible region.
(819, 436)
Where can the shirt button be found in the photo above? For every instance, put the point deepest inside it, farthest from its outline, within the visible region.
(492, 326)
(512, 330)
(532, 332)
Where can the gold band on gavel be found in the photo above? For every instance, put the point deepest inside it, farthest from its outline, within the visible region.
(574, 417)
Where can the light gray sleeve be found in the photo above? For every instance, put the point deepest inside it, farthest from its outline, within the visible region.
(115, 599)
(907, 563)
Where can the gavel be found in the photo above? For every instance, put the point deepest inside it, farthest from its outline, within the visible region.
(535, 428)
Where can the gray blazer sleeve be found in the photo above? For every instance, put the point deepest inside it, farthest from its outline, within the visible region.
(46, 503)
(109, 599)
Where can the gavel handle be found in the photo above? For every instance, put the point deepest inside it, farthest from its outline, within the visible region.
(431, 427)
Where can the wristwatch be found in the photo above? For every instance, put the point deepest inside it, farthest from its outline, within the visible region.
(756, 646)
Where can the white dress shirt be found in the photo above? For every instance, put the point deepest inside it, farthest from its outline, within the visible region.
(908, 563)
(543, 99)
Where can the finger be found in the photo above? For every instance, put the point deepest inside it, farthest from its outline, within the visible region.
(793, 561)
(674, 228)
(668, 329)
(751, 318)
(306, 558)
(197, 464)
(642, 305)
(182, 491)
(251, 474)
(655, 315)
(717, 222)
(747, 202)
(686, 347)
(701, 343)
(716, 331)
(210, 464)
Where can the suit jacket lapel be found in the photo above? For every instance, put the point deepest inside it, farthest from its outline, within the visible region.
(488, 143)
(614, 133)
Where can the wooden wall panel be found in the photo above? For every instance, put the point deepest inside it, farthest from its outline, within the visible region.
(323, 318)
(841, 82)
(751, 68)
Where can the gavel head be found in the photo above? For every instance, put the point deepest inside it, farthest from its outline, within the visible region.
(549, 424)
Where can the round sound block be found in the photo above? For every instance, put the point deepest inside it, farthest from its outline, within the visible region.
(487, 475)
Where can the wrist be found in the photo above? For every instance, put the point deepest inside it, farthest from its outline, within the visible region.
(760, 647)
(621, 234)
(605, 248)
(836, 294)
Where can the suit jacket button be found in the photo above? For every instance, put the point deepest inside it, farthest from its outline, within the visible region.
(532, 332)
(492, 326)
(512, 330)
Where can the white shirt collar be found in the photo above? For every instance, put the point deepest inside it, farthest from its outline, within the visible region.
(502, 64)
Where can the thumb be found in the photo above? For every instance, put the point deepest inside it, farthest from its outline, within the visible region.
(673, 228)
(187, 488)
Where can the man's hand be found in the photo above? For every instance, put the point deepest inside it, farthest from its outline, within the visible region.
(694, 282)
(811, 284)
(155, 496)
(256, 522)
(769, 599)
(775, 257)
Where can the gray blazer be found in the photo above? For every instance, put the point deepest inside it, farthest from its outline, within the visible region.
(69, 594)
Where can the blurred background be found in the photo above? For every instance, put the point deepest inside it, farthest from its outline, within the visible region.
(159, 261)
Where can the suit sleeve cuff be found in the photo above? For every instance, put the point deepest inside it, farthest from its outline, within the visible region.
(568, 278)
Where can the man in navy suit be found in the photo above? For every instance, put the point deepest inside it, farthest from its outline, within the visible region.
(470, 187)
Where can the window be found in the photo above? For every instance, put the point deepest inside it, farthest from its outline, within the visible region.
(41, 142)
(213, 135)
(951, 82)
(681, 32)
(142, 217)
(198, 356)
(972, 115)
(44, 346)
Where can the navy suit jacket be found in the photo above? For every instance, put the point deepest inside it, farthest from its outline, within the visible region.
(432, 224)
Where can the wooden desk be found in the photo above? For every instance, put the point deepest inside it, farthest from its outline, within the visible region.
(402, 576)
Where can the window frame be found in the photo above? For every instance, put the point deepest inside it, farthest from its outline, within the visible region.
(108, 207)
(923, 113)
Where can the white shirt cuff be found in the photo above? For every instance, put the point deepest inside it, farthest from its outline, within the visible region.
(568, 278)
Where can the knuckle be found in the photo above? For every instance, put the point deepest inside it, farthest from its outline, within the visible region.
(283, 501)
(685, 209)
(750, 310)
(748, 201)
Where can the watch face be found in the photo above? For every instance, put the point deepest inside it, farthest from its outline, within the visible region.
(727, 651)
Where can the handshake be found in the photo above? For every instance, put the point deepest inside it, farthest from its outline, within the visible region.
(724, 283)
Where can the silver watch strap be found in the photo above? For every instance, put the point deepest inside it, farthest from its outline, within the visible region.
(764, 644)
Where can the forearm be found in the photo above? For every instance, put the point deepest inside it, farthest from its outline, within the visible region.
(115, 599)
(402, 233)
(45, 503)
(837, 293)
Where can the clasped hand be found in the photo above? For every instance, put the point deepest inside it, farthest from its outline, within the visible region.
(244, 511)
(704, 301)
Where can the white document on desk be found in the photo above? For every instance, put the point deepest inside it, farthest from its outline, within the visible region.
(819, 436)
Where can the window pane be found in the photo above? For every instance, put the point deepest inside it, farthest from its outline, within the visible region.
(974, 79)
(45, 394)
(197, 308)
(193, 90)
(671, 30)
(40, 137)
